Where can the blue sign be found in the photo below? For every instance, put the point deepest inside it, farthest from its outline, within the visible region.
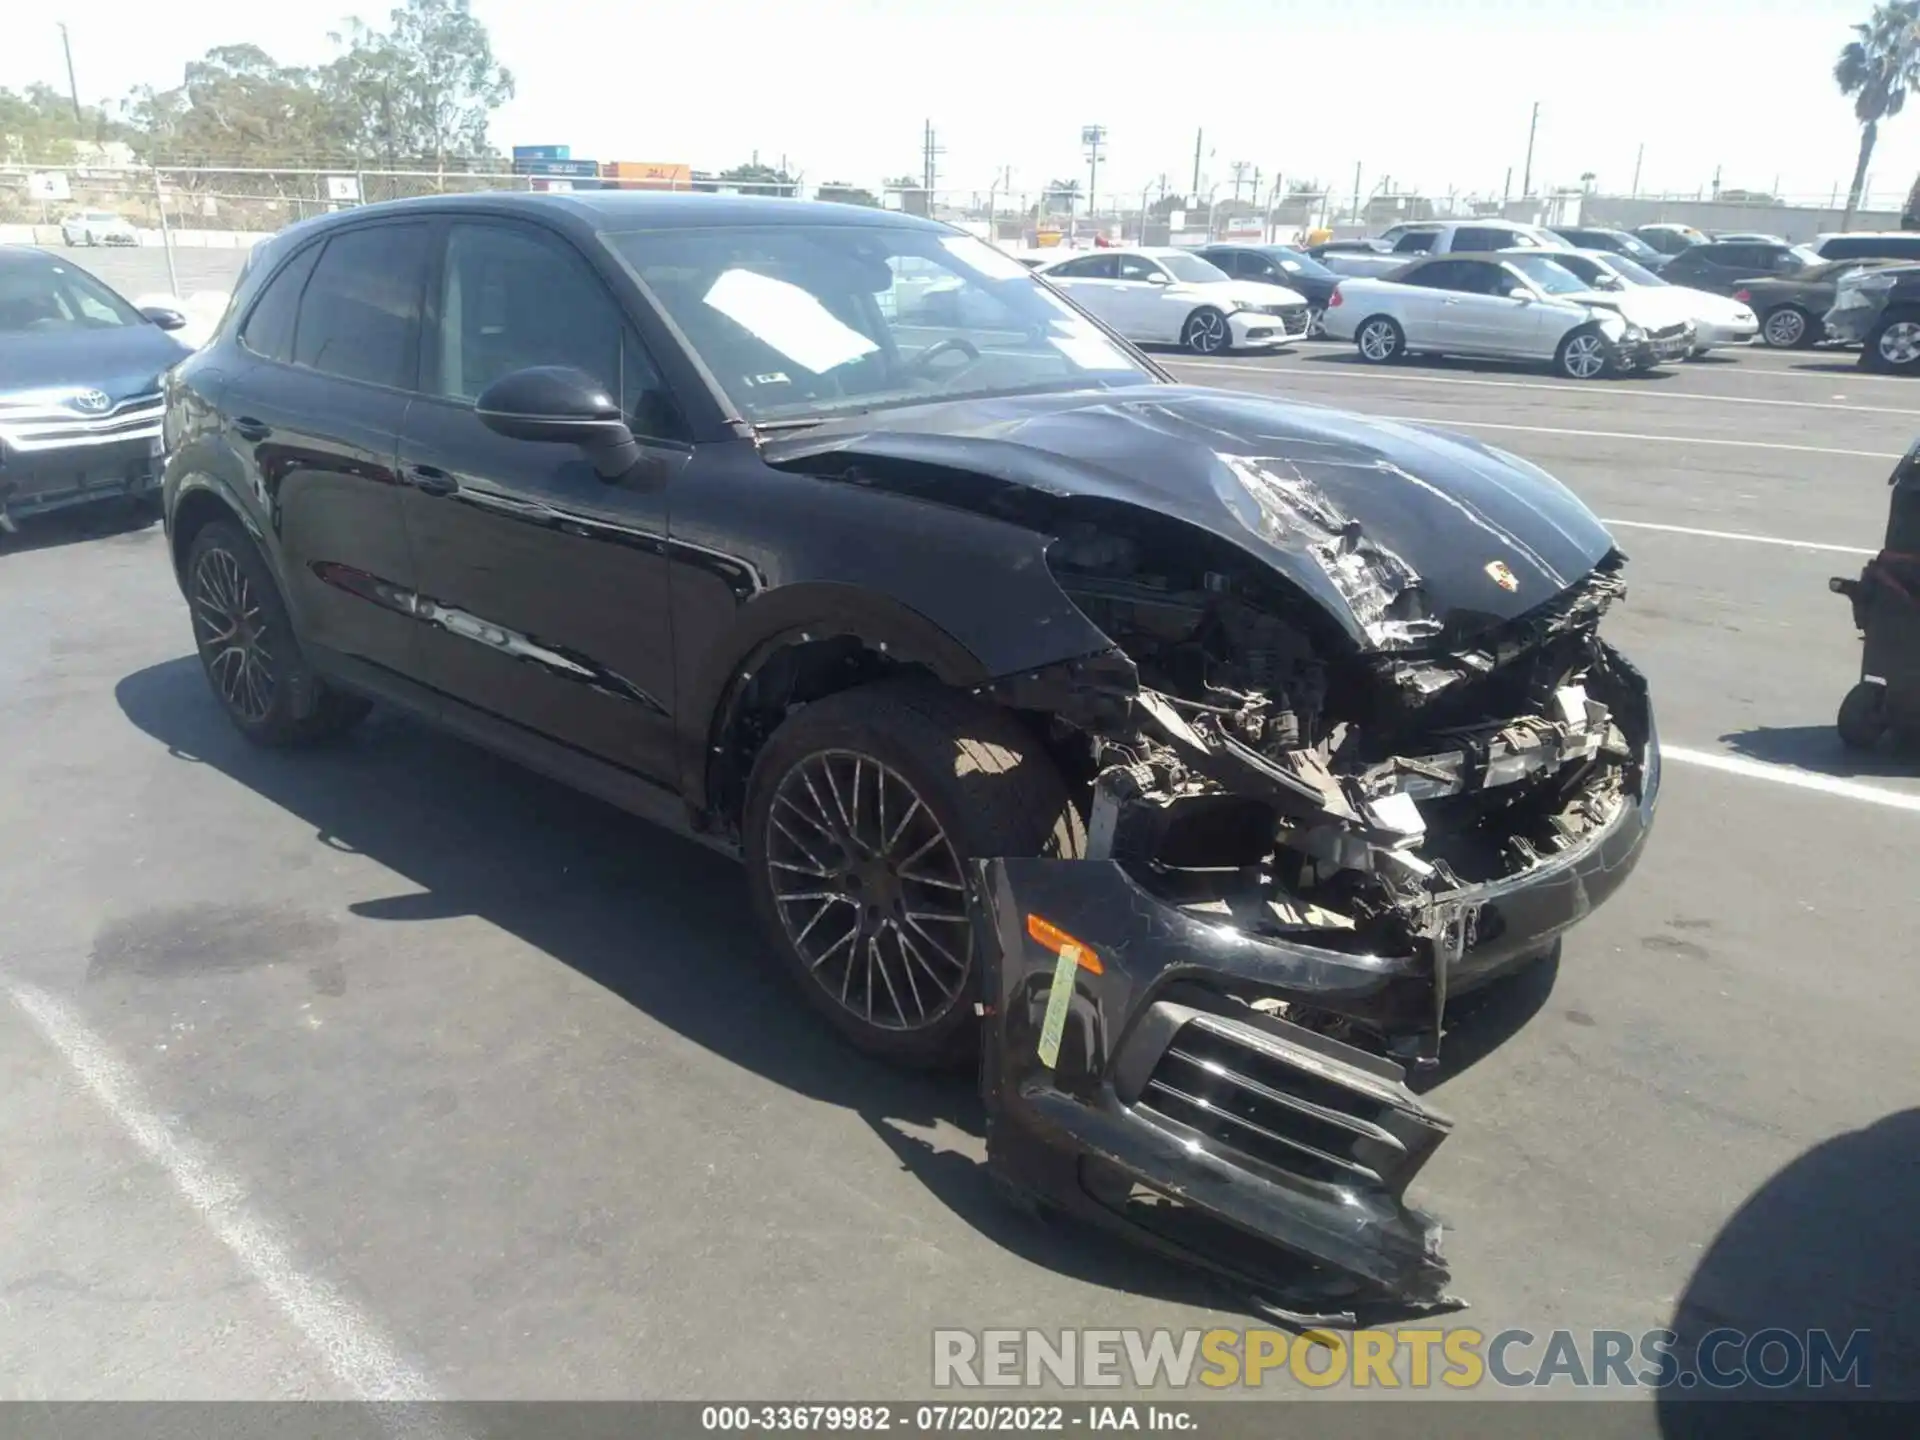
(542, 152)
(559, 169)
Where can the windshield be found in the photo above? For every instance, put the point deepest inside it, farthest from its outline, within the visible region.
(798, 322)
(1298, 262)
(1632, 272)
(1549, 276)
(58, 300)
(1191, 268)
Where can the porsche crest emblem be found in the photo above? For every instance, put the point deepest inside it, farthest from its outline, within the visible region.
(1498, 572)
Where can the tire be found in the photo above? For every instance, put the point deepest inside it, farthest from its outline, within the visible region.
(1207, 332)
(1788, 327)
(984, 787)
(1894, 344)
(1380, 340)
(264, 683)
(1583, 355)
(1863, 717)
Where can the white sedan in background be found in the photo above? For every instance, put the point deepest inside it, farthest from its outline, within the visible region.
(1716, 319)
(98, 227)
(1507, 306)
(1163, 296)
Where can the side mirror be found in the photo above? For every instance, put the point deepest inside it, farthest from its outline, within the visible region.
(562, 406)
(166, 319)
(1158, 279)
(1521, 293)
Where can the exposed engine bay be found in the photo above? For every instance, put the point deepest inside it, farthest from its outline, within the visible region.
(1356, 801)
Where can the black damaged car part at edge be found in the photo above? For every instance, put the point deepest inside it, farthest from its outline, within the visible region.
(1328, 693)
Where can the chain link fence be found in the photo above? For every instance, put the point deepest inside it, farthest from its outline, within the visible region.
(232, 204)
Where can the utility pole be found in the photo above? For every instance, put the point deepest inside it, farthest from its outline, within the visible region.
(1506, 191)
(1239, 169)
(1526, 176)
(73, 90)
(929, 152)
(1639, 155)
(1092, 136)
(1716, 183)
(1356, 192)
(1197, 136)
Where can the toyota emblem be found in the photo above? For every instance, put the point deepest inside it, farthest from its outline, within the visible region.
(92, 402)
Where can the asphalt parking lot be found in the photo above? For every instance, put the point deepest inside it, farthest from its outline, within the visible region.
(392, 1070)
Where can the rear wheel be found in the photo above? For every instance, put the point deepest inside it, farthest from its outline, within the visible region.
(1788, 328)
(1206, 332)
(1894, 344)
(248, 650)
(863, 814)
(1380, 339)
(1863, 716)
(1583, 355)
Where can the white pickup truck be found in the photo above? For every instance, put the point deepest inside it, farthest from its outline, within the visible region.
(1401, 244)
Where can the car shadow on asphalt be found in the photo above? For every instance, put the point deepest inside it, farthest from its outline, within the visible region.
(1817, 748)
(1530, 369)
(1828, 1244)
(1483, 1020)
(82, 522)
(662, 922)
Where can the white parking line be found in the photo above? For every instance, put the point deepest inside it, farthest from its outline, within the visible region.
(1741, 535)
(1787, 775)
(1633, 391)
(1446, 422)
(348, 1341)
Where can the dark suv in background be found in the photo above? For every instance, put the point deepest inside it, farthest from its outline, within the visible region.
(1188, 749)
(1720, 265)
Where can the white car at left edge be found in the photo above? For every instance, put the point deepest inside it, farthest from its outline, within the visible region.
(1157, 295)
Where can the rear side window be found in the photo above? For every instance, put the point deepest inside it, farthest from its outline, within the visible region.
(1872, 247)
(360, 316)
(1485, 237)
(1440, 275)
(1414, 242)
(269, 329)
(1093, 267)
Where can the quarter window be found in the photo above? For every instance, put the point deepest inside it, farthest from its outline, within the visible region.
(269, 328)
(360, 316)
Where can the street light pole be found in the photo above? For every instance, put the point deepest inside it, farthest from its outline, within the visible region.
(73, 90)
(1526, 176)
(1092, 136)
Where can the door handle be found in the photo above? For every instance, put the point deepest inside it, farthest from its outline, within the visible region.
(1450, 301)
(431, 480)
(250, 429)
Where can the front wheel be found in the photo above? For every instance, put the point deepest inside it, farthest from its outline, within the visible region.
(1894, 344)
(1207, 332)
(1380, 340)
(864, 813)
(1583, 355)
(248, 650)
(1863, 716)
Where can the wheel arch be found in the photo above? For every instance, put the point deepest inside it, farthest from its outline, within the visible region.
(791, 646)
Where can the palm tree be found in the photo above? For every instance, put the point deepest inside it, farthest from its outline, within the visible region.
(1877, 69)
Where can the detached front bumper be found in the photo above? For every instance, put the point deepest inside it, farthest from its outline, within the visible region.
(1140, 1071)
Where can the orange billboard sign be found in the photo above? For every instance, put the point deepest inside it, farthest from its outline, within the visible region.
(648, 175)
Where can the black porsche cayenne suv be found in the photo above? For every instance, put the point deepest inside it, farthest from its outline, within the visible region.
(1188, 752)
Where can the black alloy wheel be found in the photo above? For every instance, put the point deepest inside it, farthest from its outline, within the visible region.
(247, 646)
(869, 889)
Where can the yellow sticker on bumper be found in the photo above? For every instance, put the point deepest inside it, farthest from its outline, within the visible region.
(1059, 1001)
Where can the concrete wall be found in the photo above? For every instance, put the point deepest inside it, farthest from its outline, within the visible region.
(1790, 222)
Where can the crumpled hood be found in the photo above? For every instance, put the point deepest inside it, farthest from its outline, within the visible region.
(122, 361)
(1352, 509)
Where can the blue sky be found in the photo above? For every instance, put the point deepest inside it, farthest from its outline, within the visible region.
(1433, 93)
